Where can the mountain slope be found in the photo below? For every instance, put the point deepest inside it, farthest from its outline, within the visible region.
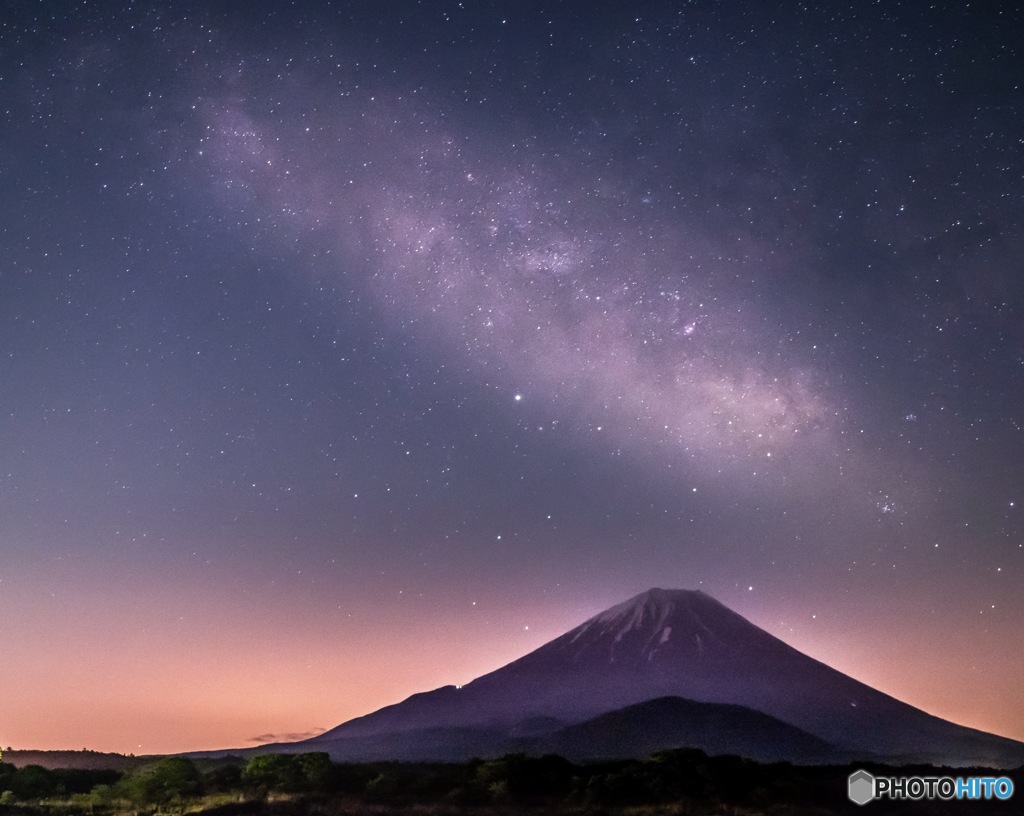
(595, 692)
(677, 643)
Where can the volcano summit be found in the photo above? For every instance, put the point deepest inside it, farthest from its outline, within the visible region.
(665, 669)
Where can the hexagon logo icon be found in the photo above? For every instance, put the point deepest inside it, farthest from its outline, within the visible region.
(861, 787)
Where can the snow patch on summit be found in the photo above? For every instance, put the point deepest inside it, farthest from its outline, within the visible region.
(648, 622)
(650, 614)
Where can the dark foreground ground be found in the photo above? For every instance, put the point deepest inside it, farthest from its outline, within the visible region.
(676, 783)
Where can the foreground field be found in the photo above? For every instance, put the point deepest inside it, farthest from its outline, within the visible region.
(673, 783)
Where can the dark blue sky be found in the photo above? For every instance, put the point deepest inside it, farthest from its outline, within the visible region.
(403, 336)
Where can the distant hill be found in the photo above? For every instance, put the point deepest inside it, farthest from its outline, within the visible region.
(772, 700)
(86, 760)
(640, 730)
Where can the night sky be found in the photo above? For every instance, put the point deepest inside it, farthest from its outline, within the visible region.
(352, 349)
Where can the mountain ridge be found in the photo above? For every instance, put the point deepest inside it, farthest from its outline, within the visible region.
(666, 643)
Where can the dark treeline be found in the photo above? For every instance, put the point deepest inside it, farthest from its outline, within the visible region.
(677, 782)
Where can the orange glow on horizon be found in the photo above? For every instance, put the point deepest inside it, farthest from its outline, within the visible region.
(216, 685)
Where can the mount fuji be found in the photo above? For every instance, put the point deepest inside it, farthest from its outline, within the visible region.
(665, 669)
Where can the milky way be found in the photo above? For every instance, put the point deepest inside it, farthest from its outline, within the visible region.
(548, 281)
(347, 343)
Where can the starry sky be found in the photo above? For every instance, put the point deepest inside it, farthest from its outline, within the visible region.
(352, 349)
